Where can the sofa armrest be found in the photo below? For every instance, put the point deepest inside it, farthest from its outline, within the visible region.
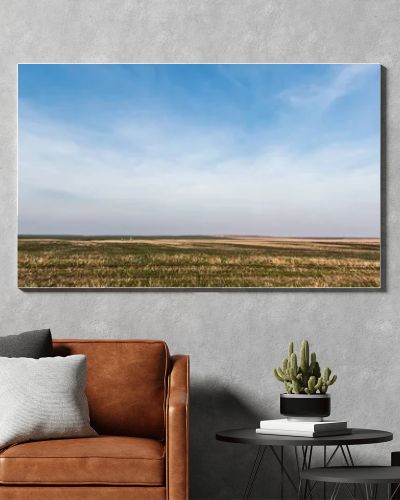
(177, 431)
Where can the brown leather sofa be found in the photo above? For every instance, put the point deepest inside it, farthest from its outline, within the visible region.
(138, 400)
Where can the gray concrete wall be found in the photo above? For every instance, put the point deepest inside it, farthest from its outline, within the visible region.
(234, 339)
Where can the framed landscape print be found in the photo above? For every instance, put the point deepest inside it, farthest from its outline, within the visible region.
(203, 176)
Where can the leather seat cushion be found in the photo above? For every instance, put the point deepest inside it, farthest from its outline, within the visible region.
(82, 492)
(102, 460)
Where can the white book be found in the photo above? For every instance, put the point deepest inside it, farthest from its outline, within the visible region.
(311, 434)
(303, 425)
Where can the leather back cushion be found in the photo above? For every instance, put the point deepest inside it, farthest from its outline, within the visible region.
(126, 386)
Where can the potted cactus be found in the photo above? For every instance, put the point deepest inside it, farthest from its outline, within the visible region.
(306, 386)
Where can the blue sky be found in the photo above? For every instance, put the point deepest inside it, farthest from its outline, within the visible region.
(281, 150)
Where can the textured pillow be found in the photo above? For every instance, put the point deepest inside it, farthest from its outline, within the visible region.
(43, 399)
(34, 344)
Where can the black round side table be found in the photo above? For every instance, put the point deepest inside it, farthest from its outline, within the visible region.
(370, 477)
(303, 451)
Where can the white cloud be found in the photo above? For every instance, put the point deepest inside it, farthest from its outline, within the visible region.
(175, 179)
(322, 96)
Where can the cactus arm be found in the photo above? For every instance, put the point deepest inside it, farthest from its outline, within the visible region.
(278, 376)
(327, 373)
(296, 386)
(312, 382)
(304, 357)
(333, 380)
(313, 363)
(293, 366)
(307, 351)
(288, 387)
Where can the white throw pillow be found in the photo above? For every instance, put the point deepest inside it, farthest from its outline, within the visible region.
(43, 399)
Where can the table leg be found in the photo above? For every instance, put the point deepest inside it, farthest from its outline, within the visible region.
(279, 456)
(332, 456)
(335, 491)
(306, 464)
(324, 466)
(307, 452)
(349, 463)
(297, 461)
(284, 470)
(390, 494)
(307, 456)
(351, 493)
(282, 492)
(254, 471)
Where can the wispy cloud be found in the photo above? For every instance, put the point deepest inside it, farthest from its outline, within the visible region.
(179, 178)
(321, 96)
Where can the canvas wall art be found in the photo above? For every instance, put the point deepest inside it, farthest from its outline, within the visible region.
(197, 176)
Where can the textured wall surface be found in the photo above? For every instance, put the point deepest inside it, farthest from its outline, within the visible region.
(234, 339)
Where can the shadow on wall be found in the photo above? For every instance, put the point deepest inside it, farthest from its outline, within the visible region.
(220, 470)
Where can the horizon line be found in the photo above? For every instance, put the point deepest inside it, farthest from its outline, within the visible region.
(200, 235)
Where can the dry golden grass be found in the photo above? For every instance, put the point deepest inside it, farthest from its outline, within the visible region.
(198, 262)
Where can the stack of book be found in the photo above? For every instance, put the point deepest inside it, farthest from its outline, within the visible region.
(303, 428)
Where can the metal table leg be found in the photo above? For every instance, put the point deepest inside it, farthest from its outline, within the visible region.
(279, 456)
(306, 464)
(282, 488)
(253, 474)
(303, 464)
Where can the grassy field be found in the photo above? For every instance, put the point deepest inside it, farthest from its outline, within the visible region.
(197, 262)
